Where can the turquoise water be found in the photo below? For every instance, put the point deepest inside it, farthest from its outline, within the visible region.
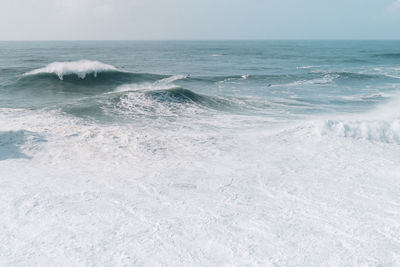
(209, 153)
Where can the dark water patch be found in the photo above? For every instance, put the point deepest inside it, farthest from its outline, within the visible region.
(89, 109)
(11, 143)
(356, 61)
(181, 95)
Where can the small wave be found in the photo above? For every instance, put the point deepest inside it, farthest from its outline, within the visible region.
(388, 55)
(172, 79)
(81, 68)
(392, 76)
(307, 67)
(368, 97)
(181, 95)
(241, 77)
(326, 79)
(348, 75)
(135, 87)
(354, 75)
(165, 83)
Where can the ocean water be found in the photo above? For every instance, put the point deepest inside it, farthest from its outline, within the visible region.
(203, 153)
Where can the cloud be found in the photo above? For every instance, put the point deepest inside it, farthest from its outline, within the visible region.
(395, 6)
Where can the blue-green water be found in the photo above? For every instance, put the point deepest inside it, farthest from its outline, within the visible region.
(206, 153)
(271, 77)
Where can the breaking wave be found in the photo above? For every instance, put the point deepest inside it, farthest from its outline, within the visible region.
(386, 131)
(80, 68)
(381, 124)
(84, 76)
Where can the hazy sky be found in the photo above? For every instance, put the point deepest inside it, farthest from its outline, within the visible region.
(199, 19)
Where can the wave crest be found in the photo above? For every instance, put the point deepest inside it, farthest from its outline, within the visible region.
(81, 68)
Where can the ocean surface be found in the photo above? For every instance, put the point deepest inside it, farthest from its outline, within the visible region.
(203, 153)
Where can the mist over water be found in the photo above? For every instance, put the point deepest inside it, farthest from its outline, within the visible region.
(210, 153)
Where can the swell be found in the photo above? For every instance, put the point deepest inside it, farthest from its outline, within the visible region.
(181, 95)
(103, 78)
(93, 76)
(159, 103)
(82, 75)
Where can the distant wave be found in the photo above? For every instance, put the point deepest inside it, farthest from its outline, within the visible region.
(80, 68)
(349, 75)
(307, 67)
(388, 55)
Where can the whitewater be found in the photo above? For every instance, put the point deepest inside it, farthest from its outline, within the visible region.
(272, 153)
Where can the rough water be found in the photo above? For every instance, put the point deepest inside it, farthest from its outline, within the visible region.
(272, 153)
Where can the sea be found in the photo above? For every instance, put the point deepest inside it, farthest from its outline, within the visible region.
(199, 153)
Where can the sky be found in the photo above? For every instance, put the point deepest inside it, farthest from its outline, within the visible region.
(198, 19)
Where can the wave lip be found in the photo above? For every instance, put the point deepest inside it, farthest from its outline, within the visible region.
(80, 68)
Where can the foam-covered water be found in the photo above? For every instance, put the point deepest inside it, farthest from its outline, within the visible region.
(199, 153)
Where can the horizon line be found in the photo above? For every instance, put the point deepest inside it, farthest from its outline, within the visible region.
(186, 40)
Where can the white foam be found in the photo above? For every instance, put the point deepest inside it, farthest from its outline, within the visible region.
(142, 87)
(216, 190)
(81, 68)
(220, 189)
(205, 196)
(381, 124)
